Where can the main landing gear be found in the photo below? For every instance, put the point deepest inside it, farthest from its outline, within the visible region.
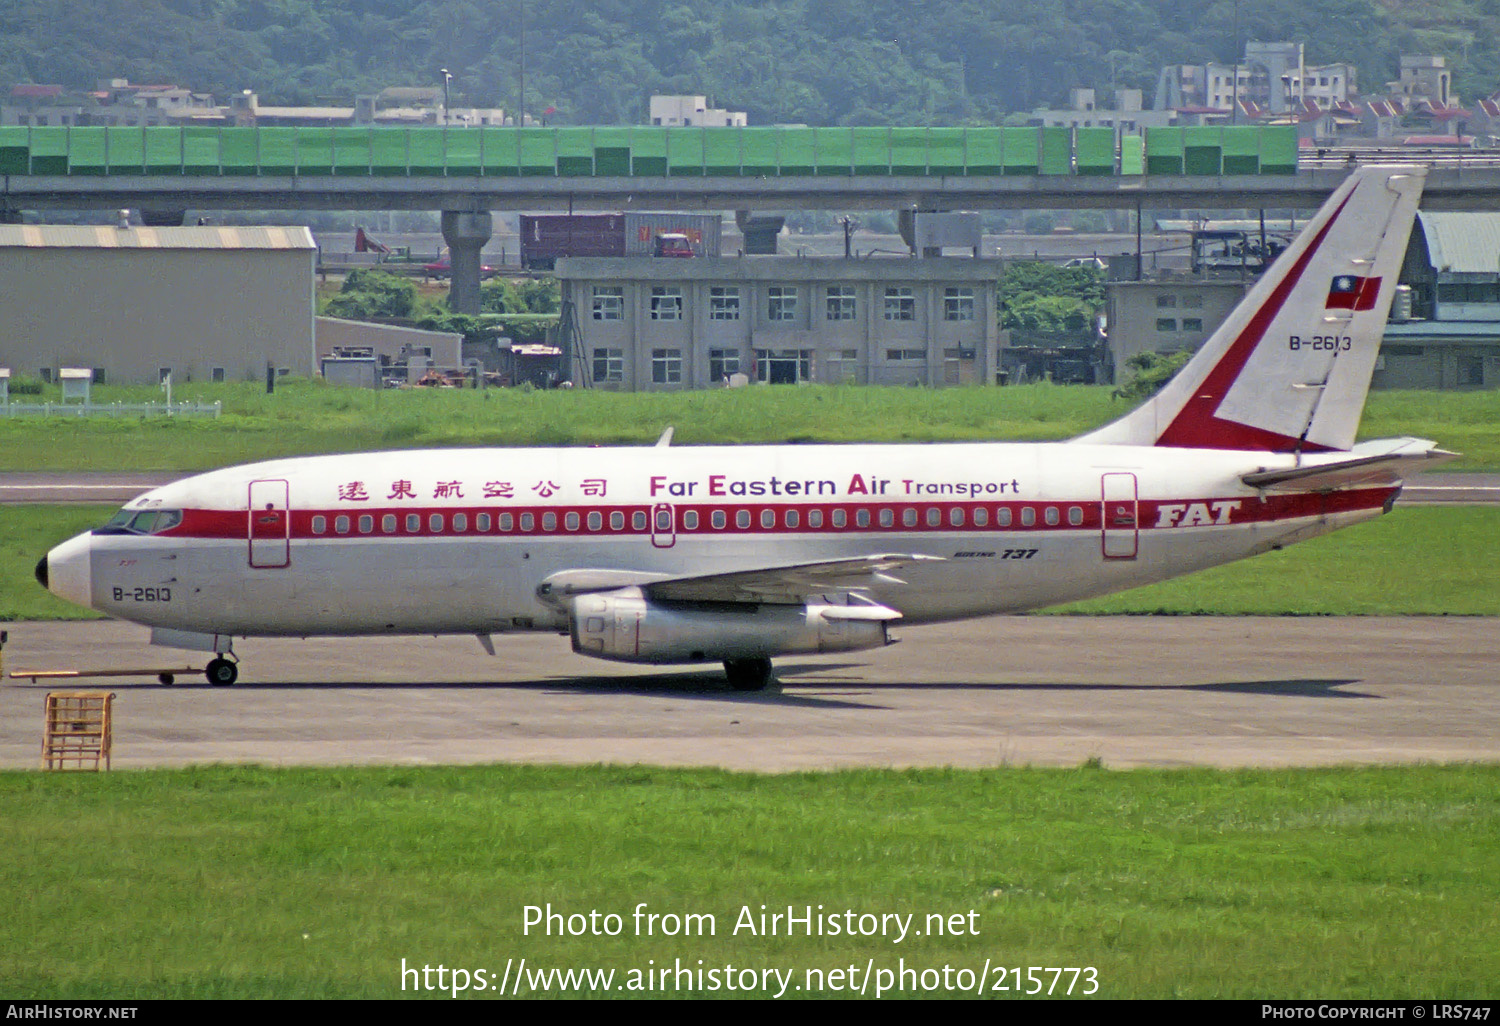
(748, 674)
(221, 672)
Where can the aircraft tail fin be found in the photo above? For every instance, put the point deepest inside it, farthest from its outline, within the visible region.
(1289, 368)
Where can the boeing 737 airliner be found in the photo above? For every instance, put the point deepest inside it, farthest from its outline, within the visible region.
(672, 554)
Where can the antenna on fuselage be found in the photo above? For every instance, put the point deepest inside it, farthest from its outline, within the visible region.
(666, 437)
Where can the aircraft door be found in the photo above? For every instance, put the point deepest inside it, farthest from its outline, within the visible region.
(269, 524)
(1120, 508)
(663, 525)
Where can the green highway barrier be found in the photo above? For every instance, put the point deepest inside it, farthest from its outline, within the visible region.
(644, 151)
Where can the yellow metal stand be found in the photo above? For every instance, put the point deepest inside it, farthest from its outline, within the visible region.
(77, 730)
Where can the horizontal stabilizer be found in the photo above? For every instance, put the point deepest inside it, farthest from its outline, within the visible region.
(1380, 462)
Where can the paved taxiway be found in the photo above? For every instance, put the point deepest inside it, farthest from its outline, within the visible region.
(1007, 690)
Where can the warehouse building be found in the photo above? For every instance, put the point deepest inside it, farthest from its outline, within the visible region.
(134, 304)
(1444, 330)
(663, 325)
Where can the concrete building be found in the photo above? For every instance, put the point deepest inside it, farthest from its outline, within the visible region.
(1424, 77)
(664, 325)
(114, 102)
(1273, 75)
(692, 111)
(206, 304)
(1165, 314)
(1126, 116)
(389, 344)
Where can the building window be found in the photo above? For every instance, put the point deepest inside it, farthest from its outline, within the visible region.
(900, 303)
(609, 302)
(1192, 301)
(609, 365)
(841, 302)
(1166, 302)
(666, 366)
(958, 304)
(723, 303)
(666, 303)
(1192, 324)
(781, 303)
(783, 367)
(216, 375)
(843, 365)
(899, 355)
(722, 363)
(1166, 324)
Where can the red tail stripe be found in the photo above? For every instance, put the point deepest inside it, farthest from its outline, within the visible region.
(1197, 425)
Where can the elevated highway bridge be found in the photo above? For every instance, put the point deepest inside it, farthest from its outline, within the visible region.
(469, 172)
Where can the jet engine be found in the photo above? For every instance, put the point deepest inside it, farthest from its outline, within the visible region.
(628, 627)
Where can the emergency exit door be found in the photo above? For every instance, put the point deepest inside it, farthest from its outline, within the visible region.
(269, 524)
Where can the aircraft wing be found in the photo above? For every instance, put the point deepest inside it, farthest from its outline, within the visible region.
(1382, 462)
(789, 583)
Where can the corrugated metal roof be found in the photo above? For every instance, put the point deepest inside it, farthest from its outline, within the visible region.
(67, 236)
(1462, 243)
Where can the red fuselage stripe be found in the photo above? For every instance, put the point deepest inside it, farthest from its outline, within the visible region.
(699, 519)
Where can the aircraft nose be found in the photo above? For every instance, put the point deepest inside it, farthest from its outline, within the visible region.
(67, 571)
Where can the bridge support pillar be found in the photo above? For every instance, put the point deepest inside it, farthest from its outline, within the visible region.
(465, 232)
(759, 231)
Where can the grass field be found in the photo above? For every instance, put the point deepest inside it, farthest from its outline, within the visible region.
(249, 882)
(305, 417)
(244, 882)
(1418, 560)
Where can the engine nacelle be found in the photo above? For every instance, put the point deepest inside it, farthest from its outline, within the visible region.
(625, 626)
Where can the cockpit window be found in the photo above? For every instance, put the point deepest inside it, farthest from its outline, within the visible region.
(146, 521)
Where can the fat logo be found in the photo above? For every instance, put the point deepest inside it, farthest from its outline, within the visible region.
(1195, 514)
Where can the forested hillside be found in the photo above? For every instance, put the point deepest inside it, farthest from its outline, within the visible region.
(812, 61)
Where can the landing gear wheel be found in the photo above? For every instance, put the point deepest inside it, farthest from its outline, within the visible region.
(221, 672)
(748, 674)
(165, 678)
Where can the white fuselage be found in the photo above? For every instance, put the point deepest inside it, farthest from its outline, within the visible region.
(458, 541)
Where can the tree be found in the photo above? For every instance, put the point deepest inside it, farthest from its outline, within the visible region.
(369, 293)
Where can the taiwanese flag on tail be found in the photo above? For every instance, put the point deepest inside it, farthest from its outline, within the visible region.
(1351, 292)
